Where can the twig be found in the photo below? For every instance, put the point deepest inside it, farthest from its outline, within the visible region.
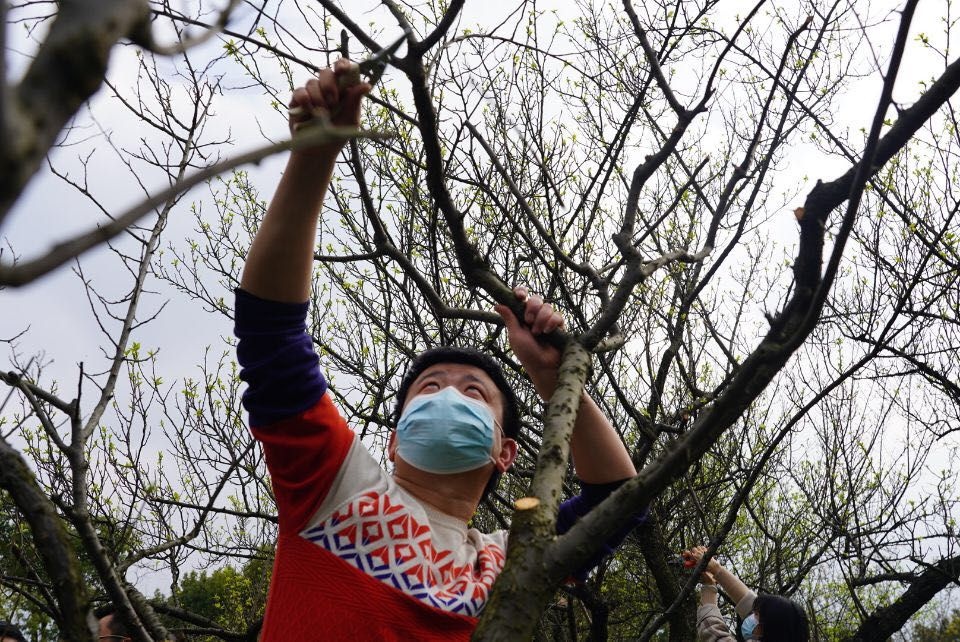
(180, 47)
(23, 273)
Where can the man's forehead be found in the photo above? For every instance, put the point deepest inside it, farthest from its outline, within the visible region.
(457, 371)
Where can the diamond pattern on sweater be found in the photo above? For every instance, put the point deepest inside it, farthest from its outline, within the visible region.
(385, 541)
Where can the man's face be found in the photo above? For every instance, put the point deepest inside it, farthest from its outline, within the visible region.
(472, 382)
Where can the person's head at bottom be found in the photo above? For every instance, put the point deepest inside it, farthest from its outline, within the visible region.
(11, 633)
(110, 626)
(776, 619)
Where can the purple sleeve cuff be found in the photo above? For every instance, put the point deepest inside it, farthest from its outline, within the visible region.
(579, 505)
(277, 359)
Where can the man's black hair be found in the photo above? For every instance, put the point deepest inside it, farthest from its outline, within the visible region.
(8, 630)
(470, 357)
(782, 619)
(104, 610)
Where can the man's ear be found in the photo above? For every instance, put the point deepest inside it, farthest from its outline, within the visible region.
(507, 454)
(392, 446)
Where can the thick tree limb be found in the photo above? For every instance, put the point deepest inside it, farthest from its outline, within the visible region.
(513, 608)
(73, 617)
(655, 551)
(68, 69)
(862, 171)
(886, 621)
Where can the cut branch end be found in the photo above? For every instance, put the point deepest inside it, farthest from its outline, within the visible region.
(526, 503)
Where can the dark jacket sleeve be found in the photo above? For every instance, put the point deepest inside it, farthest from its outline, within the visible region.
(277, 359)
(305, 439)
(576, 507)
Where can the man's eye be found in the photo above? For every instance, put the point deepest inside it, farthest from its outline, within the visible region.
(430, 385)
(475, 391)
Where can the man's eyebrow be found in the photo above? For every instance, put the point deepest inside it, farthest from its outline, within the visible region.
(431, 373)
(469, 376)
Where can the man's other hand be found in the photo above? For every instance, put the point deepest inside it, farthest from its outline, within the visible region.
(538, 358)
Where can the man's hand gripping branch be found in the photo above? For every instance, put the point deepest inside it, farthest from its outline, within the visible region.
(599, 455)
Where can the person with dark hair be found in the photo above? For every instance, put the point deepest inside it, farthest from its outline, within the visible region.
(363, 554)
(109, 625)
(11, 633)
(771, 618)
(783, 619)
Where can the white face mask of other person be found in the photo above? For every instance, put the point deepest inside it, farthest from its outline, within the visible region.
(747, 626)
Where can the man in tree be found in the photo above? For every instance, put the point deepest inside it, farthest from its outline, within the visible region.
(363, 553)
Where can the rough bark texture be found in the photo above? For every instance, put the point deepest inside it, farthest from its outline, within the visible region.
(656, 551)
(526, 584)
(68, 69)
(73, 616)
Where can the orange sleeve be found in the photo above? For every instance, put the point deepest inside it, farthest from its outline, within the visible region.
(304, 453)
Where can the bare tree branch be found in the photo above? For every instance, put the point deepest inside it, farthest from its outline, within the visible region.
(23, 273)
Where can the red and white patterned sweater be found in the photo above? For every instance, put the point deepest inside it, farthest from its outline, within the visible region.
(358, 557)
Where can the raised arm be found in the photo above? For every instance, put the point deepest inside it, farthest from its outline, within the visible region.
(599, 455)
(735, 588)
(305, 440)
(280, 260)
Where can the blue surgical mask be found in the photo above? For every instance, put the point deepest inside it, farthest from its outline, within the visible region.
(748, 625)
(445, 432)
